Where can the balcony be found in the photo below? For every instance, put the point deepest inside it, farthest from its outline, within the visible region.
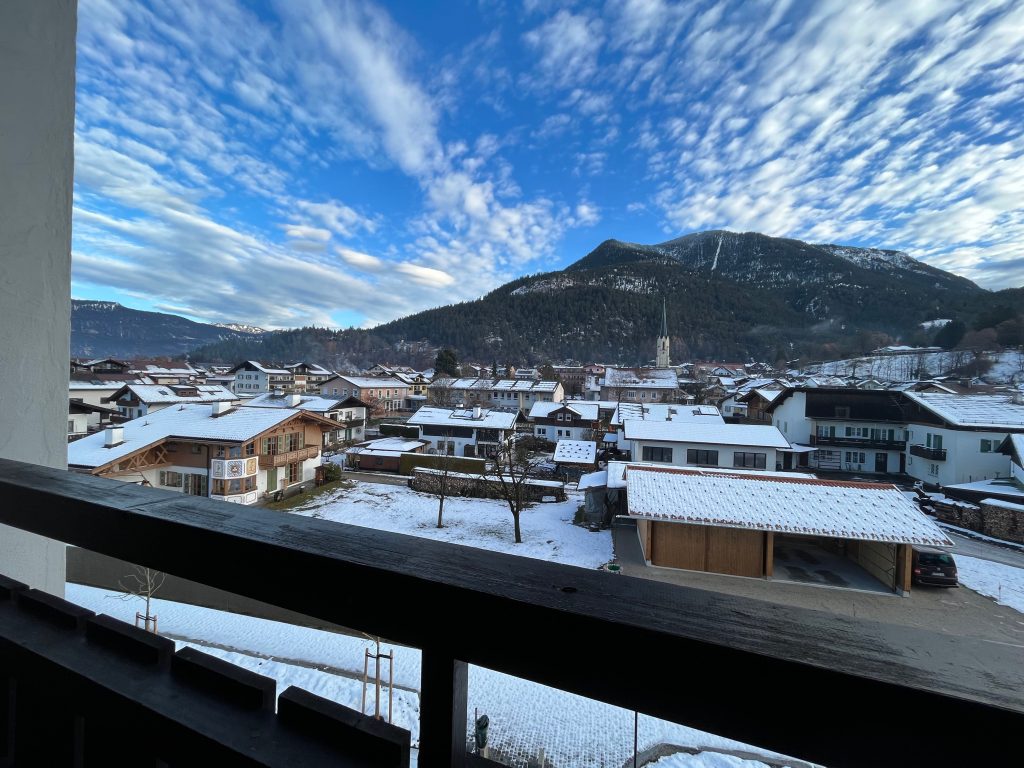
(934, 454)
(271, 460)
(431, 595)
(858, 442)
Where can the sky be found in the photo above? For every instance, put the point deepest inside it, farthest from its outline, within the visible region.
(323, 162)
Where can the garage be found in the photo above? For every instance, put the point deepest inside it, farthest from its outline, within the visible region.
(769, 525)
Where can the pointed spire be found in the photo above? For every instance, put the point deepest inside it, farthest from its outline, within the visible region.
(664, 320)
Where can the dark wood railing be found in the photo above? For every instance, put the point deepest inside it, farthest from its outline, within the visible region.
(859, 442)
(711, 661)
(935, 454)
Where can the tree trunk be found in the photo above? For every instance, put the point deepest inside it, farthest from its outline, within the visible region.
(440, 510)
(515, 517)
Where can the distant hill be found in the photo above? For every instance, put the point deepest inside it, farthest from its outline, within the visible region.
(730, 295)
(108, 329)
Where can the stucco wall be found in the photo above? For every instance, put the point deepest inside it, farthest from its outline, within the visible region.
(37, 111)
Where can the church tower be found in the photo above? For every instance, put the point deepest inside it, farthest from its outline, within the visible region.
(662, 358)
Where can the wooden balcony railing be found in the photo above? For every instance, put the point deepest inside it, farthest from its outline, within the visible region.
(859, 442)
(935, 454)
(271, 460)
(708, 660)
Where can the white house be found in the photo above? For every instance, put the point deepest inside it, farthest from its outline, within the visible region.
(231, 453)
(134, 400)
(253, 378)
(349, 413)
(465, 431)
(640, 385)
(681, 443)
(659, 412)
(381, 393)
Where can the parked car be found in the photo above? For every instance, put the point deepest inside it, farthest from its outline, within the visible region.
(933, 566)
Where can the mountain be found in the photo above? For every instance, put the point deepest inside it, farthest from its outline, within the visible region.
(108, 329)
(242, 328)
(729, 296)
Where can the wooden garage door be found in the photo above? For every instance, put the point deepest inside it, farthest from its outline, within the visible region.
(740, 553)
(701, 548)
(675, 545)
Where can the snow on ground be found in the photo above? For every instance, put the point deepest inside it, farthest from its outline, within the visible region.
(547, 529)
(575, 732)
(1006, 366)
(1002, 582)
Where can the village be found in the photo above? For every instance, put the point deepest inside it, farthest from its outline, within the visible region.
(800, 489)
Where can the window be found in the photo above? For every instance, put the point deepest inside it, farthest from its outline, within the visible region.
(250, 449)
(855, 457)
(294, 472)
(748, 459)
(170, 479)
(541, 431)
(71, 426)
(196, 448)
(986, 446)
(842, 411)
(560, 419)
(653, 453)
(235, 452)
(700, 456)
(933, 469)
(631, 393)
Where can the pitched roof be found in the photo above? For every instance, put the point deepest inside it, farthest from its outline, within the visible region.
(489, 418)
(704, 414)
(369, 382)
(994, 411)
(588, 411)
(575, 452)
(156, 394)
(833, 509)
(187, 422)
(690, 432)
(641, 378)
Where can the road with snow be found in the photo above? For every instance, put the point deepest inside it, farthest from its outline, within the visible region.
(984, 550)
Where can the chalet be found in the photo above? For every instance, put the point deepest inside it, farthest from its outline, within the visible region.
(475, 432)
(757, 402)
(658, 412)
(253, 378)
(520, 394)
(306, 377)
(640, 385)
(380, 393)
(235, 454)
(86, 418)
(573, 419)
(134, 400)
(843, 429)
(764, 526)
(101, 365)
(350, 413)
(681, 443)
(168, 373)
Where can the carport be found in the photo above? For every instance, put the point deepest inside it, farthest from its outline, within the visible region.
(773, 526)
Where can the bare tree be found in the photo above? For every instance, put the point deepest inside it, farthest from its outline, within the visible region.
(142, 583)
(444, 467)
(514, 467)
(440, 394)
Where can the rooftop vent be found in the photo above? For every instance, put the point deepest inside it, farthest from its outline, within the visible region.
(113, 436)
(294, 400)
(478, 412)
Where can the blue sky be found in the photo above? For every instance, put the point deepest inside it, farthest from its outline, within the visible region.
(294, 162)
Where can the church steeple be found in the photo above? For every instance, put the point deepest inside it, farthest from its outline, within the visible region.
(662, 358)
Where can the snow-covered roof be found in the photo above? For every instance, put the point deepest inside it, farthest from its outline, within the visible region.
(994, 411)
(704, 414)
(370, 382)
(593, 480)
(489, 418)
(306, 402)
(583, 409)
(617, 472)
(262, 368)
(1003, 504)
(575, 452)
(193, 421)
(159, 370)
(833, 509)
(395, 445)
(1004, 486)
(641, 378)
(690, 432)
(155, 394)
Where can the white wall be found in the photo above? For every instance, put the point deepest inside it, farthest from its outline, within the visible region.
(37, 112)
(790, 418)
(725, 452)
(964, 462)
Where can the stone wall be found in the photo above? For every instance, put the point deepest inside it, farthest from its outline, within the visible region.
(991, 519)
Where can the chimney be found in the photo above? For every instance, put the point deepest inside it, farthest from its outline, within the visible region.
(294, 400)
(221, 407)
(478, 412)
(113, 436)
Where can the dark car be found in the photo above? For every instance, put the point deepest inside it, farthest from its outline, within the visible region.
(933, 566)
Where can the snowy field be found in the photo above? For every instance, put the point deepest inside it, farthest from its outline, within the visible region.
(1006, 366)
(547, 529)
(1002, 582)
(524, 717)
(704, 760)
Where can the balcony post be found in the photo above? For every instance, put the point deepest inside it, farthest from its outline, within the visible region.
(444, 688)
